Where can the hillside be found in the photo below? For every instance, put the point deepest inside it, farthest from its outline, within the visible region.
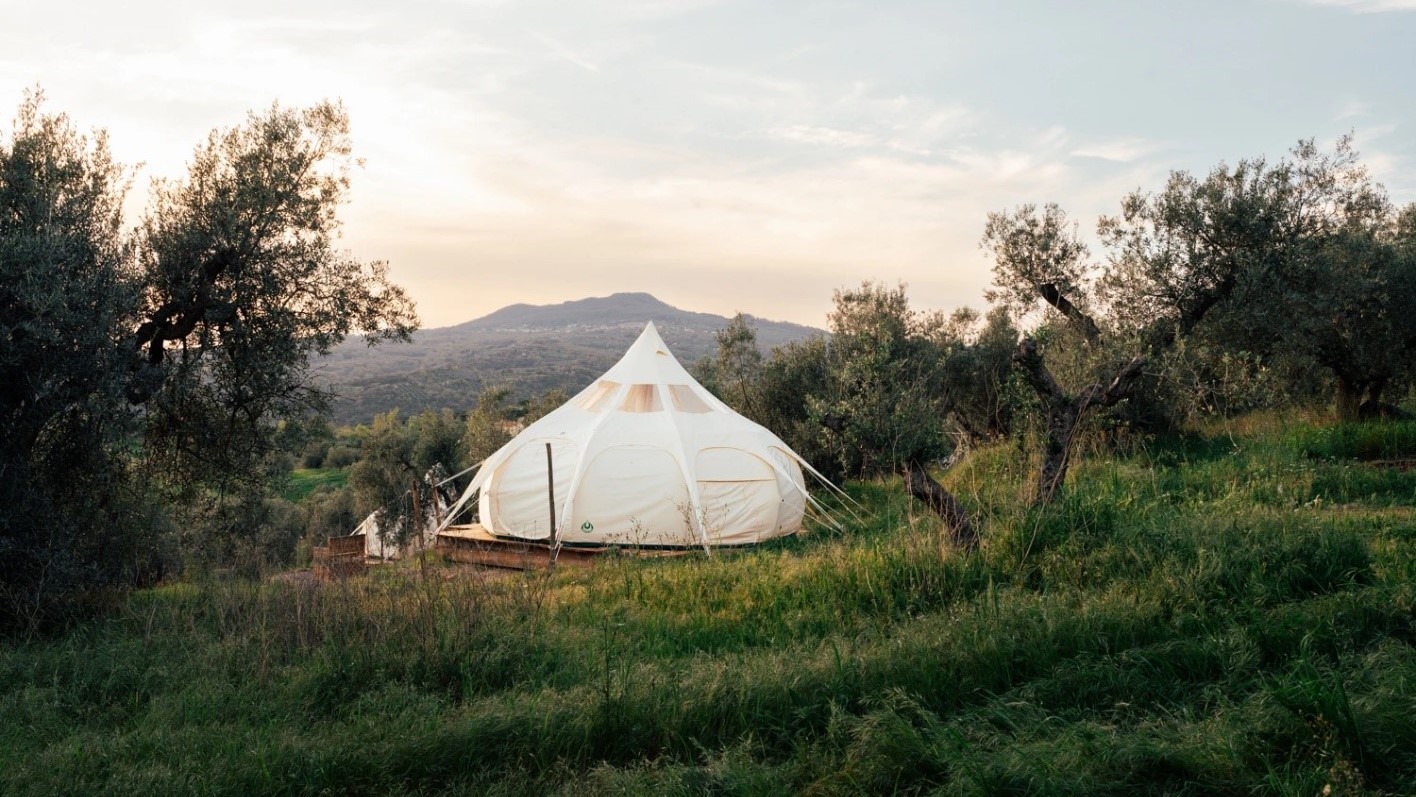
(1226, 613)
(527, 348)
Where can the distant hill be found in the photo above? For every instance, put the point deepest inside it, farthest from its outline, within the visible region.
(527, 348)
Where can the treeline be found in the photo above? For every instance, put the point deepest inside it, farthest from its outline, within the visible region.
(1255, 286)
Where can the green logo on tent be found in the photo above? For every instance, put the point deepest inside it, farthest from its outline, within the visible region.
(587, 527)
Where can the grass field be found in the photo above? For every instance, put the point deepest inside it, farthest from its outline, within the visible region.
(304, 481)
(1222, 613)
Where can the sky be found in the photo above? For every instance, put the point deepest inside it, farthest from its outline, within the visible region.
(728, 155)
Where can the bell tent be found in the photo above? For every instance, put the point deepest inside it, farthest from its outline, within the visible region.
(644, 456)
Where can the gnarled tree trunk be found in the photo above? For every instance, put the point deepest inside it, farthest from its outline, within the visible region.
(1361, 400)
(942, 502)
(1063, 416)
(1065, 413)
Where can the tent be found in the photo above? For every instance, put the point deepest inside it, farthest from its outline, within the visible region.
(378, 545)
(644, 456)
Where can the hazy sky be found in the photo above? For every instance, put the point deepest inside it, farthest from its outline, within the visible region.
(728, 155)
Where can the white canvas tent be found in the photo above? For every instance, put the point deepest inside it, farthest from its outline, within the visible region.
(376, 546)
(381, 546)
(643, 456)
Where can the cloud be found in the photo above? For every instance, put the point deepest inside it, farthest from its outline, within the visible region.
(705, 152)
(807, 134)
(581, 217)
(558, 48)
(1352, 109)
(1124, 150)
(853, 117)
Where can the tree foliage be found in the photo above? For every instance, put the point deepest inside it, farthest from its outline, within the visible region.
(66, 294)
(402, 464)
(1257, 264)
(488, 425)
(541, 405)
(242, 285)
(887, 404)
(1235, 249)
(891, 391)
(1359, 324)
(158, 363)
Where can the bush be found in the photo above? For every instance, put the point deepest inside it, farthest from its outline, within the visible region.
(329, 512)
(340, 457)
(314, 454)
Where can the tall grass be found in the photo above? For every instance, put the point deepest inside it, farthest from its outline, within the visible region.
(1374, 440)
(1214, 614)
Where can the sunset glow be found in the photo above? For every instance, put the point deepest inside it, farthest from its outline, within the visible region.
(726, 155)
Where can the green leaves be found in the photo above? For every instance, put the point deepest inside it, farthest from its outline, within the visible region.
(65, 297)
(168, 355)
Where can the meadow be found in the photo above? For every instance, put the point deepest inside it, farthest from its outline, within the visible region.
(1231, 611)
(304, 481)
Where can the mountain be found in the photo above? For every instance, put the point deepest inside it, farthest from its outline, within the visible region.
(527, 348)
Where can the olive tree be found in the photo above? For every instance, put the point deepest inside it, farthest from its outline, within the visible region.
(486, 429)
(69, 518)
(1040, 259)
(402, 464)
(158, 364)
(242, 285)
(890, 390)
(887, 400)
(1244, 258)
(1358, 323)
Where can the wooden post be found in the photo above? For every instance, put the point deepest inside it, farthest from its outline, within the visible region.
(551, 498)
(418, 530)
(416, 507)
(437, 507)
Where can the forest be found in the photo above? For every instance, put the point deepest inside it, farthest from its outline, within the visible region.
(1141, 525)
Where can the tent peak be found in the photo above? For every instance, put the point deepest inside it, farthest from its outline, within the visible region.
(648, 361)
(651, 340)
(651, 335)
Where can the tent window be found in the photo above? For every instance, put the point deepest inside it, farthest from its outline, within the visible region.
(685, 400)
(641, 398)
(598, 398)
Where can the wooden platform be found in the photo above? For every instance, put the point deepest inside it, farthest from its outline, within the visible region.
(340, 557)
(473, 544)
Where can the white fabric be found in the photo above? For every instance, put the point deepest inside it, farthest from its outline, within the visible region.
(632, 495)
(518, 497)
(790, 485)
(376, 546)
(643, 456)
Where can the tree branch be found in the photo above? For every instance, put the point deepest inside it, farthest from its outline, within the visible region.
(1039, 378)
(1118, 389)
(1079, 321)
(923, 486)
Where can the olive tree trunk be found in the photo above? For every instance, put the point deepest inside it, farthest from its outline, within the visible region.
(1065, 413)
(942, 502)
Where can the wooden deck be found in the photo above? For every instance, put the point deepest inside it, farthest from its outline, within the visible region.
(473, 544)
